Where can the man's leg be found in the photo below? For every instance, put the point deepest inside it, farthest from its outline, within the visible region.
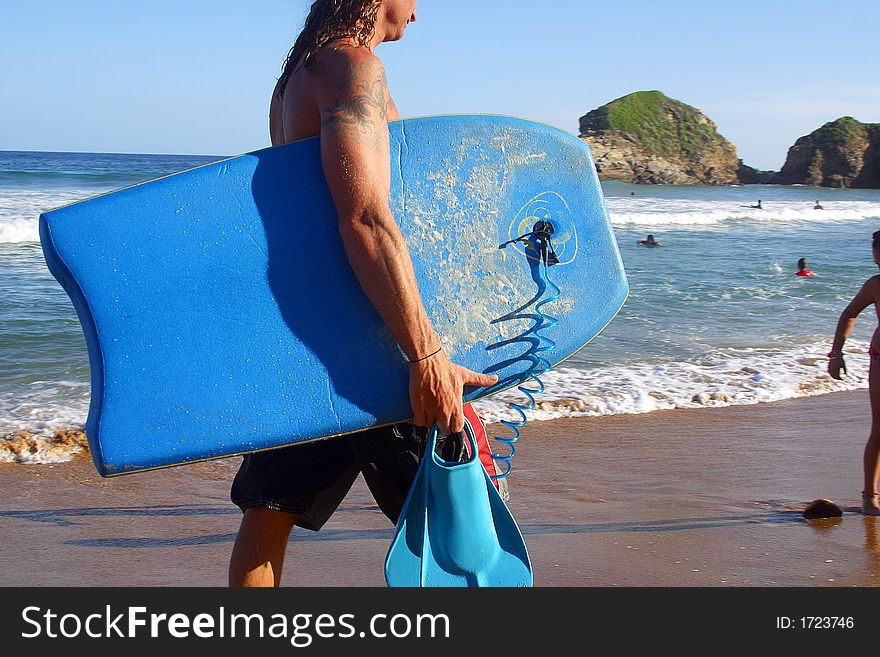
(278, 488)
(258, 554)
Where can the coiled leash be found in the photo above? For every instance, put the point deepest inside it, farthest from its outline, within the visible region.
(539, 242)
(454, 529)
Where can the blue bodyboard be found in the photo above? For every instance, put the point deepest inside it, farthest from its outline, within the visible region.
(221, 315)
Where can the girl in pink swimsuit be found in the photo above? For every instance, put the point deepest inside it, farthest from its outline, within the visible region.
(869, 294)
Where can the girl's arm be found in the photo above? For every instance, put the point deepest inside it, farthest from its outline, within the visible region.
(845, 324)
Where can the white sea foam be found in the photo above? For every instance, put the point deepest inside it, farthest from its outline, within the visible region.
(37, 422)
(36, 450)
(17, 230)
(20, 211)
(725, 378)
(684, 212)
(747, 376)
(43, 407)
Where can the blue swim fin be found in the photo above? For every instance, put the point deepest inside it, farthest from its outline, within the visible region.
(454, 529)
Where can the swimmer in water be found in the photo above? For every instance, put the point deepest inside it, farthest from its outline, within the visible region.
(649, 241)
(868, 295)
(818, 206)
(802, 268)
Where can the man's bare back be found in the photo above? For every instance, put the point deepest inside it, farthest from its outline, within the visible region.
(295, 115)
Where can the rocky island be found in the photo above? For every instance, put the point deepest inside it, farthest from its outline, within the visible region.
(647, 137)
(842, 153)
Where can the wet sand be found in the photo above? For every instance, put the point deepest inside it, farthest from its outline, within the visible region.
(708, 497)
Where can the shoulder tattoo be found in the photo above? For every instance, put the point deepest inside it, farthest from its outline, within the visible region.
(361, 106)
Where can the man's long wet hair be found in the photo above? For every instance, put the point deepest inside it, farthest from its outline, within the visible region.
(328, 20)
(875, 240)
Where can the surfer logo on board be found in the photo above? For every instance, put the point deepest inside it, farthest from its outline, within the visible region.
(541, 242)
(544, 230)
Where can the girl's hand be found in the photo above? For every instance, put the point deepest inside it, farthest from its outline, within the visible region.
(835, 365)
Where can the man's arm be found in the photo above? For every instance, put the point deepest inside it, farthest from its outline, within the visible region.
(352, 98)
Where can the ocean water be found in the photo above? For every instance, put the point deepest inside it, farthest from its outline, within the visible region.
(715, 316)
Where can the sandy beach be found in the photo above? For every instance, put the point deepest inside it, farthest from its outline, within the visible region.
(708, 497)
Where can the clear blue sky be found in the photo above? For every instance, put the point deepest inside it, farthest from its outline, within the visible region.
(194, 76)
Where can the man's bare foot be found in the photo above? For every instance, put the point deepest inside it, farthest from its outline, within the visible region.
(870, 504)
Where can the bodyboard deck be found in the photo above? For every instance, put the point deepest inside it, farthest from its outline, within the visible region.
(221, 315)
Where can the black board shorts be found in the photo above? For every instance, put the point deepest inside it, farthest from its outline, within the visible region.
(311, 480)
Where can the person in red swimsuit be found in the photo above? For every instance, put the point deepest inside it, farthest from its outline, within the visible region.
(802, 268)
(869, 294)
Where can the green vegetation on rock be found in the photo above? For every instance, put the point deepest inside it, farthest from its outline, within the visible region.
(840, 131)
(661, 125)
(842, 153)
(647, 137)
